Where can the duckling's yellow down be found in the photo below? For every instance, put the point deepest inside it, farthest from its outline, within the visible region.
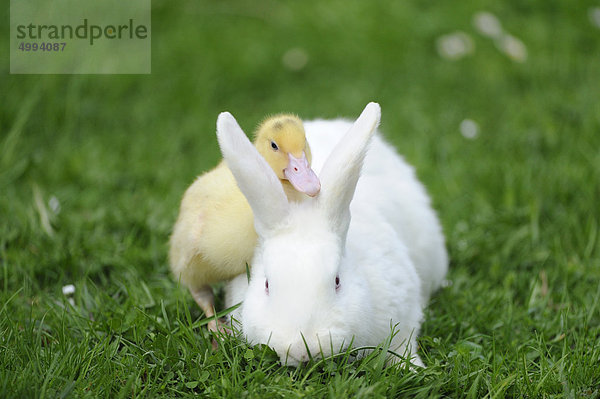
(214, 235)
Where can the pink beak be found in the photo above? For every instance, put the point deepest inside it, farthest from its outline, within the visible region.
(302, 177)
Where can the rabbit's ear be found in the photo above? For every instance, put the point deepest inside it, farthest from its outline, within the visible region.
(342, 168)
(254, 176)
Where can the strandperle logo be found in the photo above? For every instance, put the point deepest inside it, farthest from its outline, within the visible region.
(80, 37)
(84, 31)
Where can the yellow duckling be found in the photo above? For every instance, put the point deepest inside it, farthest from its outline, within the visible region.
(214, 237)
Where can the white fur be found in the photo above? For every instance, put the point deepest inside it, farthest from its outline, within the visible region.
(389, 256)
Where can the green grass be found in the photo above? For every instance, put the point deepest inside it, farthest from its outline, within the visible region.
(519, 203)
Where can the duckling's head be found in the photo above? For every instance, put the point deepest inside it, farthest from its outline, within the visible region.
(281, 140)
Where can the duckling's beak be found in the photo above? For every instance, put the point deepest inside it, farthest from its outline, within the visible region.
(302, 177)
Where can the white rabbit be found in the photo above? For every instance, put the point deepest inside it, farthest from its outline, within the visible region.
(321, 280)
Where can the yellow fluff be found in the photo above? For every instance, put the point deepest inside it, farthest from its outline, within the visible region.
(214, 235)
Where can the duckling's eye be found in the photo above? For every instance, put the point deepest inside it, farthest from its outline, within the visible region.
(337, 283)
(274, 146)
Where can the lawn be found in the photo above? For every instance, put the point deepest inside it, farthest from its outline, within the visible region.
(92, 169)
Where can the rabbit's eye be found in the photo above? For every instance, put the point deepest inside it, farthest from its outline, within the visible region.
(267, 286)
(337, 282)
(274, 146)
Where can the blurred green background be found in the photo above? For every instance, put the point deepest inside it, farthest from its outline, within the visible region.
(92, 167)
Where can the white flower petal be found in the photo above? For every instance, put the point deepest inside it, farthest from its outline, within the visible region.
(487, 24)
(455, 45)
(513, 47)
(469, 129)
(68, 289)
(594, 14)
(295, 59)
(54, 205)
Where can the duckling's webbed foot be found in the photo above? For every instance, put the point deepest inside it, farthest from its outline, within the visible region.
(220, 326)
(205, 298)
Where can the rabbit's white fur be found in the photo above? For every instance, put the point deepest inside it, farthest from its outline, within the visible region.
(388, 259)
